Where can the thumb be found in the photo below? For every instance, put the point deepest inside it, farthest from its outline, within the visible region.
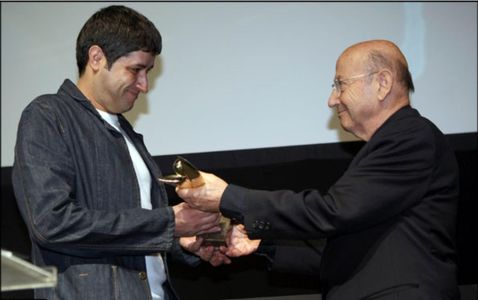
(181, 192)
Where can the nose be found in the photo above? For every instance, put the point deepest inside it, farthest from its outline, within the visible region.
(333, 99)
(142, 82)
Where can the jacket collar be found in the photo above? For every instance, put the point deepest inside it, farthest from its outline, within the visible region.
(403, 112)
(70, 89)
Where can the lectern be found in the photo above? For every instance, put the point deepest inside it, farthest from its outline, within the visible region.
(19, 274)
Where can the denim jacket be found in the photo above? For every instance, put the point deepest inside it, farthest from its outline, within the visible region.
(77, 192)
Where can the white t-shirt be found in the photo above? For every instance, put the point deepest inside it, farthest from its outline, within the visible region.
(154, 263)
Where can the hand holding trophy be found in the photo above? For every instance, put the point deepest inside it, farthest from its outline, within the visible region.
(187, 176)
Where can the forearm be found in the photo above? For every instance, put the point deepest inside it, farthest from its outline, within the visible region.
(70, 228)
(275, 214)
(65, 224)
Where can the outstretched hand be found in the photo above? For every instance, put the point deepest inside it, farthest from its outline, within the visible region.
(206, 253)
(206, 197)
(238, 243)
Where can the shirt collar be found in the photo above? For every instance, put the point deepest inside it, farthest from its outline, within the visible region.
(112, 119)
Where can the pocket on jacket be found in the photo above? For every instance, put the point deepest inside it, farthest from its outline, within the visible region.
(102, 281)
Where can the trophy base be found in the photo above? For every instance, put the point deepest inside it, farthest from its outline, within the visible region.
(217, 239)
(213, 242)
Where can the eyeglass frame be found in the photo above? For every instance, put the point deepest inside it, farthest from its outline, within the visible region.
(337, 84)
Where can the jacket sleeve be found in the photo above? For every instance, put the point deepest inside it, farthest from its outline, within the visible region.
(45, 185)
(386, 178)
(178, 254)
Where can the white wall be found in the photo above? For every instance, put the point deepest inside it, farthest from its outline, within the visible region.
(248, 75)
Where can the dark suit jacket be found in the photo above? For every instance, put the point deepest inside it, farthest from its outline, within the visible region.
(389, 221)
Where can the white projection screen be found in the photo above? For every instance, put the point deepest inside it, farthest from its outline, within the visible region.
(247, 75)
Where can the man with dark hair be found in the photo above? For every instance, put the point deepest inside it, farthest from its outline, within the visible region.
(388, 222)
(117, 30)
(85, 183)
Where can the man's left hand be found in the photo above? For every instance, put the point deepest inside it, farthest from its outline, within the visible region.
(206, 253)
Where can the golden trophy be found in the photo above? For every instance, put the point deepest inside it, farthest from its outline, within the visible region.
(187, 176)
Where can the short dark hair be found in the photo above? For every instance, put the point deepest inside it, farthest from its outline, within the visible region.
(117, 30)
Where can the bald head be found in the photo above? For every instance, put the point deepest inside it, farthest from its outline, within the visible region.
(372, 82)
(374, 55)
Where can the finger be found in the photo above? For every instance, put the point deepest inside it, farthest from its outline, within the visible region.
(199, 240)
(206, 253)
(233, 253)
(227, 260)
(212, 229)
(219, 259)
(182, 192)
(196, 245)
(241, 229)
(207, 217)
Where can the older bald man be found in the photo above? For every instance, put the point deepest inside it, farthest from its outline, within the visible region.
(388, 222)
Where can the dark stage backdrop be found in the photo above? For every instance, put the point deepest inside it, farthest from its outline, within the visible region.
(295, 168)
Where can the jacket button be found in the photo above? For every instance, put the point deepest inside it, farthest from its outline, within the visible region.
(142, 275)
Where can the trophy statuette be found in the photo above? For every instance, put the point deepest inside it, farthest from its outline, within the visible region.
(187, 176)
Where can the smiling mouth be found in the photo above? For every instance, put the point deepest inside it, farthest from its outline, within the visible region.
(134, 94)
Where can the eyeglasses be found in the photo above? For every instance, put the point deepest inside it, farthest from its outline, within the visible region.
(338, 83)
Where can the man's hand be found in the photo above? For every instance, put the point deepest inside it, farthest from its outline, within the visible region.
(206, 197)
(191, 222)
(238, 243)
(206, 253)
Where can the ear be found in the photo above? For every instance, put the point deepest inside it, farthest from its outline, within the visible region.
(385, 83)
(96, 58)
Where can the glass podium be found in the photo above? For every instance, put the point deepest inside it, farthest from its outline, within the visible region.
(19, 274)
